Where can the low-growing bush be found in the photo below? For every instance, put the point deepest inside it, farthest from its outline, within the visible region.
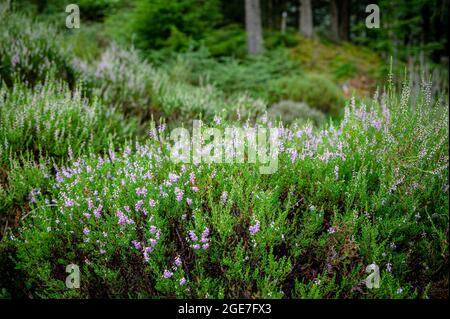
(317, 91)
(50, 118)
(290, 112)
(28, 53)
(373, 189)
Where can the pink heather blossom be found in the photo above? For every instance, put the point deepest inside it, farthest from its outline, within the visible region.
(136, 244)
(87, 215)
(167, 274)
(224, 197)
(147, 251)
(90, 203)
(178, 261)
(255, 228)
(205, 234)
(138, 205)
(121, 217)
(331, 230)
(153, 229)
(193, 236)
(182, 281)
(98, 212)
(184, 216)
(192, 178)
(173, 177)
(141, 191)
(153, 242)
(189, 201)
(148, 175)
(194, 189)
(178, 194)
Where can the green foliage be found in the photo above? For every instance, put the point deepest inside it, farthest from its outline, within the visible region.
(361, 192)
(316, 90)
(50, 118)
(28, 53)
(158, 23)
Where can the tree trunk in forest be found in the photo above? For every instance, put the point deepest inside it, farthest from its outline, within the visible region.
(334, 20)
(306, 18)
(344, 20)
(253, 27)
(340, 20)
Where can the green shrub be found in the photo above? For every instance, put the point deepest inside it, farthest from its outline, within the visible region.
(29, 54)
(374, 188)
(290, 112)
(50, 119)
(317, 91)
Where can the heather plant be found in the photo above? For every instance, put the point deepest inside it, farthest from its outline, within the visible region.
(124, 80)
(30, 50)
(50, 118)
(370, 189)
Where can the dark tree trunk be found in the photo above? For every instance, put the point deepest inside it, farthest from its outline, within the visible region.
(344, 20)
(253, 27)
(306, 18)
(334, 20)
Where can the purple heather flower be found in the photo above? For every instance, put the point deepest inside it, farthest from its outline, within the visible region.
(182, 281)
(217, 120)
(138, 205)
(167, 274)
(178, 193)
(224, 197)
(331, 230)
(205, 246)
(152, 202)
(122, 218)
(86, 231)
(141, 191)
(193, 236)
(173, 178)
(90, 203)
(189, 201)
(87, 215)
(192, 178)
(255, 228)
(178, 261)
(196, 246)
(194, 189)
(153, 242)
(153, 229)
(147, 251)
(98, 211)
(161, 127)
(102, 251)
(136, 244)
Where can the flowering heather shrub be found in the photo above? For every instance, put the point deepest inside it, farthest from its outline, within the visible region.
(50, 119)
(121, 78)
(372, 189)
(29, 50)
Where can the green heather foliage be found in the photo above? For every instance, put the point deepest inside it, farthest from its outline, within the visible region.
(343, 197)
(50, 118)
(30, 50)
(121, 78)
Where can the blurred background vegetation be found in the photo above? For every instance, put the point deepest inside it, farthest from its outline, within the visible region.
(205, 41)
